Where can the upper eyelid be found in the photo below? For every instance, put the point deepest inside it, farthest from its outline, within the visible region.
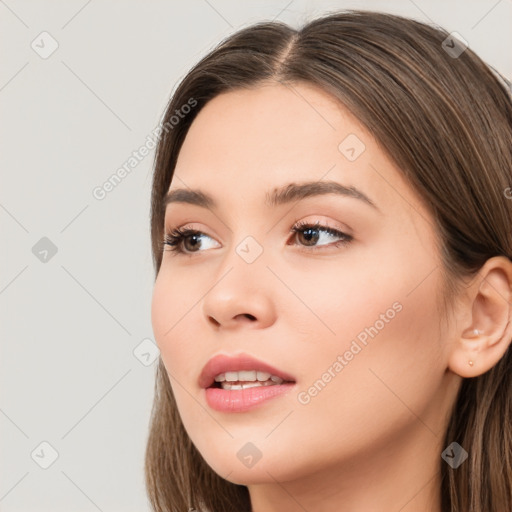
(321, 225)
(344, 228)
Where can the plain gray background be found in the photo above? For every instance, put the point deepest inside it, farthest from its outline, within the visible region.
(77, 352)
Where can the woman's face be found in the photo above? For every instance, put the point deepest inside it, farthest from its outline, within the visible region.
(355, 324)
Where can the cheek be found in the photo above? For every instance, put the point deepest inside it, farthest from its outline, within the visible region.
(171, 310)
(162, 310)
(381, 319)
(175, 293)
(179, 350)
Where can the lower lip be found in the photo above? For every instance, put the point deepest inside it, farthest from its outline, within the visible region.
(240, 400)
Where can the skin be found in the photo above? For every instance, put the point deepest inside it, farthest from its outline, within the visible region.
(372, 438)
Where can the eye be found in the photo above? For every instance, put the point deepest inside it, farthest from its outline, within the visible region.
(311, 233)
(178, 238)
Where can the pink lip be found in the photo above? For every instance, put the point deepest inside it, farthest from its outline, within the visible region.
(223, 363)
(241, 400)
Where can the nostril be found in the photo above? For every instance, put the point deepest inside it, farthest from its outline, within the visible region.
(216, 323)
(246, 315)
(213, 321)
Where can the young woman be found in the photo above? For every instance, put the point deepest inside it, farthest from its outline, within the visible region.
(331, 231)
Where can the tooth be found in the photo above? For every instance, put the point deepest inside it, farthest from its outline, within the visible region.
(233, 386)
(251, 385)
(244, 385)
(247, 375)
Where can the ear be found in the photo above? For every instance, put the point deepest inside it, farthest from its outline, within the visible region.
(484, 324)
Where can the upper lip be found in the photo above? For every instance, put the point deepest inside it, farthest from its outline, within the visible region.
(222, 363)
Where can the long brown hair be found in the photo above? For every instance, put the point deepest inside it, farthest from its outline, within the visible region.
(446, 122)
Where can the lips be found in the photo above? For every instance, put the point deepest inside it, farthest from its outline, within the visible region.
(223, 363)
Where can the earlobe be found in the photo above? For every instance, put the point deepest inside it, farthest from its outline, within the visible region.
(466, 356)
(483, 343)
(476, 334)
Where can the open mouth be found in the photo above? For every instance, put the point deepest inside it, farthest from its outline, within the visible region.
(234, 385)
(241, 390)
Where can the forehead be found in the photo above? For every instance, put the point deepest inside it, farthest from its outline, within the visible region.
(265, 125)
(251, 141)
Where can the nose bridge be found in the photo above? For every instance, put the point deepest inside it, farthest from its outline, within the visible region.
(248, 257)
(246, 242)
(238, 291)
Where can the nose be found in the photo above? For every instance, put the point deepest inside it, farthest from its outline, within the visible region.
(241, 295)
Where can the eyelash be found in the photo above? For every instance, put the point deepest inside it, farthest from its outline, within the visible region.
(176, 236)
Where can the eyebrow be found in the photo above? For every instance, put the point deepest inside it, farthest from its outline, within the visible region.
(278, 196)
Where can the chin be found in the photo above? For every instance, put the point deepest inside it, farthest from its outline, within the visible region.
(247, 476)
(237, 467)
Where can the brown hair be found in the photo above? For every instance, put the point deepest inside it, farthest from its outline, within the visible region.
(446, 121)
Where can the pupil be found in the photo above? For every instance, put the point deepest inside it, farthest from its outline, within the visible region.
(195, 237)
(308, 234)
